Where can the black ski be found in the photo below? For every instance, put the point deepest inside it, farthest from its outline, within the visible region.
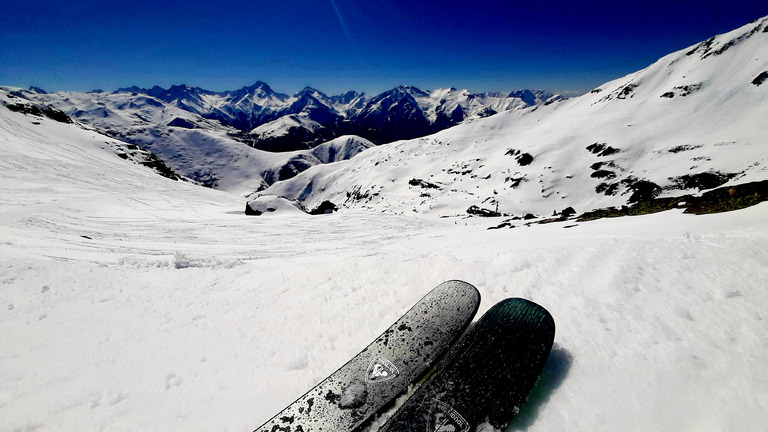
(385, 369)
(486, 377)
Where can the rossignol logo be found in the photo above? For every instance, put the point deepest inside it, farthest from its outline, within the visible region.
(443, 418)
(381, 369)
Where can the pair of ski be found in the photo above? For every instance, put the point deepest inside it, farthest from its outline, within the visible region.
(482, 379)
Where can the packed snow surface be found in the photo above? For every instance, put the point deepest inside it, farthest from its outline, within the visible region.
(132, 302)
(129, 301)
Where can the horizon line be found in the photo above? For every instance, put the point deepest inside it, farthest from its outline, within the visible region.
(564, 93)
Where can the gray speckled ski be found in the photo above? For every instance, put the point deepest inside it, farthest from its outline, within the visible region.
(486, 377)
(384, 369)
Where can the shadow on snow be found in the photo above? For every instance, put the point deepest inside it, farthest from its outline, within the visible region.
(552, 376)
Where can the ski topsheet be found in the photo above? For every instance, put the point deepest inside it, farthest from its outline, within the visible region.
(384, 369)
(486, 377)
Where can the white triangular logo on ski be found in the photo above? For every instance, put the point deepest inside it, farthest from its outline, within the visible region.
(443, 418)
(380, 370)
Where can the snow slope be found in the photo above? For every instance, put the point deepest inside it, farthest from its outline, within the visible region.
(195, 131)
(129, 301)
(133, 302)
(698, 112)
(196, 148)
(289, 164)
(283, 125)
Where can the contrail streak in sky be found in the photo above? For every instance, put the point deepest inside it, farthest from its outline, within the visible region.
(346, 31)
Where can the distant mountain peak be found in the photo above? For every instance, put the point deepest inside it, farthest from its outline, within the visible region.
(155, 91)
(686, 124)
(182, 92)
(260, 85)
(402, 91)
(133, 89)
(402, 112)
(532, 97)
(309, 91)
(259, 89)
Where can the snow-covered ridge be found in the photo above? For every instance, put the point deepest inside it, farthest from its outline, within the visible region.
(409, 112)
(197, 148)
(691, 121)
(275, 128)
(252, 106)
(338, 149)
(185, 126)
(162, 304)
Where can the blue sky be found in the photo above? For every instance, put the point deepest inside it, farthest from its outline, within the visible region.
(339, 45)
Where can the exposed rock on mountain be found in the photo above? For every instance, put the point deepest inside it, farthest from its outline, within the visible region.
(690, 122)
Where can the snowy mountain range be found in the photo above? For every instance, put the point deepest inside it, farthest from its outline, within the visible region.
(134, 301)
(692, 121)
(194, 147)
(275, 121)
(200, 134)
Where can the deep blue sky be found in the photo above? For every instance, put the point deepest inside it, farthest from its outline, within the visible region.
(369, 45)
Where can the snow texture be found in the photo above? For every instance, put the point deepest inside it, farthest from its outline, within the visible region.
(134, 302)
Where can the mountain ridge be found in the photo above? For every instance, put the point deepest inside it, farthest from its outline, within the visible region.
(689, 122)
(182, 125)
(416, 112)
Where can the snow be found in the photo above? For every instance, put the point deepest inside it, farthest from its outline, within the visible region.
(207, 153)
(282, 126)
(132, 302)
(203, 149)
(270, 204)
(129, 301)
(259, 102)
(721, 126)
(338, 149)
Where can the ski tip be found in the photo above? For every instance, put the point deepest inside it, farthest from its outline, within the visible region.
(515, 311)
(461, 288)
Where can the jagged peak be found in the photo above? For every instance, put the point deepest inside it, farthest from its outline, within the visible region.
(401, 92)
(260, 85)
(348, 96)
(183, 87)
(156, 90)
(131, 89)
(312, 92)
(259, 88)
(411, 90)
(351, 93)
(531, 97)
(181, 91)
(718, 44)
